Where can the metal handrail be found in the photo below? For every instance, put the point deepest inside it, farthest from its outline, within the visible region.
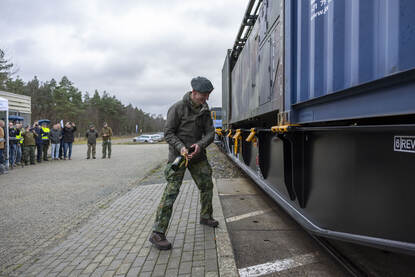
(251, 15)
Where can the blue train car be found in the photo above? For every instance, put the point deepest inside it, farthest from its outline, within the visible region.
(216, 113)
(319, 106)
(349, 59)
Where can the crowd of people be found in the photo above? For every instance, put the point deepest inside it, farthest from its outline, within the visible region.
(30, 144)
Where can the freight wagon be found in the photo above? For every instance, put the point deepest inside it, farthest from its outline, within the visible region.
(216, 114)
(318, 107)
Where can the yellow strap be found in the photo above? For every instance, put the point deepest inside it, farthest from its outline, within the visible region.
(213, 115)
(218, 131)
(185, 162)
(229, 134)
(251, 135)
(237, 137)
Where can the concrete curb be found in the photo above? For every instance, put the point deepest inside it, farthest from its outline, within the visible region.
(226, 259)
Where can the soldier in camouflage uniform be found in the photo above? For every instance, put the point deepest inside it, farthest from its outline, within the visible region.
(106, 134)
(188, 131)
(29, 144)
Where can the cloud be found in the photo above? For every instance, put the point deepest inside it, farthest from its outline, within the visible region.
(143, 52)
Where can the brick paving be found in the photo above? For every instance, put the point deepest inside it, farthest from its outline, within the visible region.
(42, 204)
(115, 241)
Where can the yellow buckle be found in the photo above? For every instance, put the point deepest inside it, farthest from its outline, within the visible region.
(237, 134)
(283, 128)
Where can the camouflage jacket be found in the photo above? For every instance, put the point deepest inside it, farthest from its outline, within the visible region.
(29, 138)
(106, 133)
(187, 125)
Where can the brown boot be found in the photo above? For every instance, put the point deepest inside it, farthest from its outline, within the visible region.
(159, 240)
(209, 222)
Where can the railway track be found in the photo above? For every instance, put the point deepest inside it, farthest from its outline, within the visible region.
(350, 266)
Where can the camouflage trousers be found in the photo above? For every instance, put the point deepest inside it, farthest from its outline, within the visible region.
(29, 154)
(202, 175)
(106, 144)
(93, 148)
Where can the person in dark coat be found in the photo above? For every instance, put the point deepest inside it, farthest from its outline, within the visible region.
(68, 139)
(12, 144)
(2, 140)
(55, 138)
(91, 136)
(61, 141)
(39, 141)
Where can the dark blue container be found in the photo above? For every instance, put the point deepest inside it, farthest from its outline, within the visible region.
(347, 59)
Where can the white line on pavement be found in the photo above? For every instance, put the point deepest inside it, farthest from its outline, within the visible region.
(233, 194)
(243, 216)
(279, 265)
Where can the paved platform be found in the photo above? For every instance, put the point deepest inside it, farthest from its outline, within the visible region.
(40, 204)
(115, 241)
(265, 239)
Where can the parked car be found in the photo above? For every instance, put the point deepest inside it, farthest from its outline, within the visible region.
(144, 138)
(157, 137)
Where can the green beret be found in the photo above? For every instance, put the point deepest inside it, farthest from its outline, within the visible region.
(201, 84)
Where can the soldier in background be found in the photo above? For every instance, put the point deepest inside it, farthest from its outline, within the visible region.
(91, 136)
(106, 134)
(29, 144)
(188, 131)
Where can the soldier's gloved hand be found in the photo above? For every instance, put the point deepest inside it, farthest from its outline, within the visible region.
(196, 148)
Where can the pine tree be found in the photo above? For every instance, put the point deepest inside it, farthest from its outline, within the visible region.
(5, 69)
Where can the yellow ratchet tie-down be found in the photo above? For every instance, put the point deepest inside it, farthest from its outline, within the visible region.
(237, 137)
(251, 137)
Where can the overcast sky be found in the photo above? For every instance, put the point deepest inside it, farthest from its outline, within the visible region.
(142, 51)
